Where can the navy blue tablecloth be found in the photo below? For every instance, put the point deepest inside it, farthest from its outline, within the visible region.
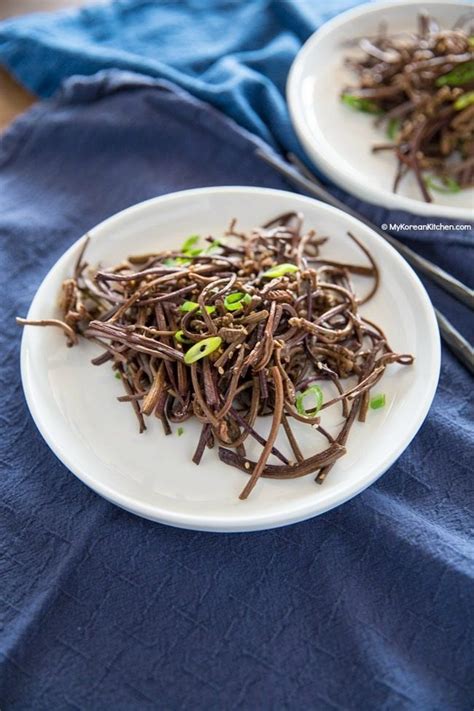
(366, 607)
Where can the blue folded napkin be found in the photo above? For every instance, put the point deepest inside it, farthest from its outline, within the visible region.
(233, 54)
(366, 607)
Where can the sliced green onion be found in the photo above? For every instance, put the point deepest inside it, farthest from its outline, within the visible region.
(181, 338)
(377, 401)
(193, 252)
(193, 305)
(189, 306)
(360, 104)
(319, 398)
(117, 375)
(280, 270)
(447, 185)
(202, 349)
(462, 74)
(189, 243)
(393, 127)
(177, 262)
(180, 431)
(214, 245)
(237, 300)
(464, 101)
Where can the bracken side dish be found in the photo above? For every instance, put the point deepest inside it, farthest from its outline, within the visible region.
(249, 325)
(420, 85)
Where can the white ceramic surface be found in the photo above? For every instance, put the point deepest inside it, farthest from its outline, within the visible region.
(74, 406)
(339, 139)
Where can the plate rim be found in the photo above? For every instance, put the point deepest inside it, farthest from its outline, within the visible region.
(218, 523)
(323, 158)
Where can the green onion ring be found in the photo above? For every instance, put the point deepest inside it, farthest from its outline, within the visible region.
(202, 349)
(318, 394)
(377, 401)
(280, 270)
(193, 305)
(237, 300)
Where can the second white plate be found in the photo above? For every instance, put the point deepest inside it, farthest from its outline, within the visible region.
(339, 139)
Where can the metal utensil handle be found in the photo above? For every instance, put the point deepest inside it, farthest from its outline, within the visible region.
(455, 341)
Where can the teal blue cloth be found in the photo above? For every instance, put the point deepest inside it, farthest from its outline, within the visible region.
(235, 54)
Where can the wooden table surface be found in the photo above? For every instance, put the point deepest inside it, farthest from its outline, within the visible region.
(14, 99)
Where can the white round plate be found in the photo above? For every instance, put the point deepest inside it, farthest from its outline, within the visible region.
(74, 403)
(339, 139)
